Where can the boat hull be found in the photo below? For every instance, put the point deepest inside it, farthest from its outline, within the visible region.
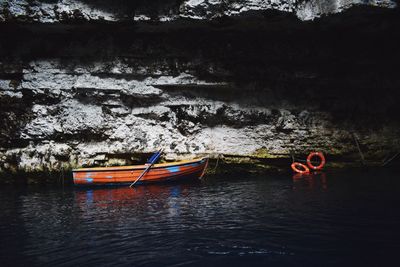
(158, 173)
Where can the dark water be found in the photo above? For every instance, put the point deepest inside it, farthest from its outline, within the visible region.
(340, 219)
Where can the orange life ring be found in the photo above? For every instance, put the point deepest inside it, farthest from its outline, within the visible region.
(321, 158)
(295, 167)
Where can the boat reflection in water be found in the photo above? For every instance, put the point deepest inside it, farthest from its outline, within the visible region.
(138, 199)
(311, 181)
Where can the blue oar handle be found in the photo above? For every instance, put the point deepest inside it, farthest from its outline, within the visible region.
(154, 156)
(154, 159)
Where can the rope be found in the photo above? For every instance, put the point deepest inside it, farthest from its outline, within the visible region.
(389, 160)
(216, 164)
(302, 160)
(359, 149)
(61, 175)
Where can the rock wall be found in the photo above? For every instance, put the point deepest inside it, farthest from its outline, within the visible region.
(52, 11)
(81, 84)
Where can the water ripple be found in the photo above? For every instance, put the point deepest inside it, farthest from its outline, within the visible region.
(235, 222)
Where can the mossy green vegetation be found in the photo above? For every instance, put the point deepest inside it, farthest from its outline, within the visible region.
(264, 153)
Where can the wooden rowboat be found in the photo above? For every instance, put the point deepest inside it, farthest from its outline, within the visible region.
(164, 172)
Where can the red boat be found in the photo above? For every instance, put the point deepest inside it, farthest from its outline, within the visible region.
(164, 172)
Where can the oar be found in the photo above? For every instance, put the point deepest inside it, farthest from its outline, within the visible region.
(152, 160)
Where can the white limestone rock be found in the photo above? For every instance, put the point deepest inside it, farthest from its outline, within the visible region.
(70, 10)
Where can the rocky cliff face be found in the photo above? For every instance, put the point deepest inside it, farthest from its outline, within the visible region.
(89, 82)
(52, 11)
